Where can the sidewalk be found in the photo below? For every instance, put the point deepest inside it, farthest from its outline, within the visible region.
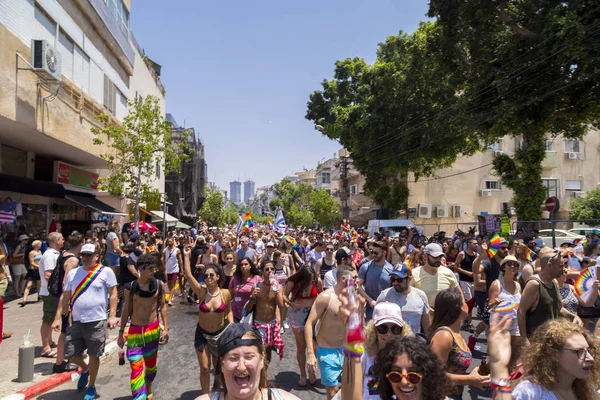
(19, 320)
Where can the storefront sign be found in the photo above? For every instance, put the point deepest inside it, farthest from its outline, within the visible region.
(97, 217)
(69, 175)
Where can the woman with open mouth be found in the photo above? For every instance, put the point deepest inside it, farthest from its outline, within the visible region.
(214, 315)
(559, 364)
(241, 369)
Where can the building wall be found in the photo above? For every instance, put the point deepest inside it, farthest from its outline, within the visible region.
(46, 108)
(465, 189)
(235, 191)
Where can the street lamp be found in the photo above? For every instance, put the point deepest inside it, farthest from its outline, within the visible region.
(165, 202)
(320, 128)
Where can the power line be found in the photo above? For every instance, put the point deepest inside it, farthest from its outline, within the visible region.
(450, 176)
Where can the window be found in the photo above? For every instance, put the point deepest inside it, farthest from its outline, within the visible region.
(551, 187)
(110, 95)
(157, 170)
(573, 185)
(493, 185)
(325, 177)
(353, 189)
(494, 146)
(549, 145)
(572, 146)
(120, 14)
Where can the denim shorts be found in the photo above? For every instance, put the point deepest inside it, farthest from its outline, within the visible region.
(298, 316)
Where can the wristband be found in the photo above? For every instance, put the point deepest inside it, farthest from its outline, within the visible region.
(352, 354)
(354, 351)
(500, 382)
(121, 330)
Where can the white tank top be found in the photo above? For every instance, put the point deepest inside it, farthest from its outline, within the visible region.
(506, 297)
(171, 263)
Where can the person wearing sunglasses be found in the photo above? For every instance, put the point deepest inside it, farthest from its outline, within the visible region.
(245, 278)
(541, 299)
(504, 299)
(433, 277)
(374, 275)
(558, 364)
(263, 303)
(400, 366)
(413, 302)
(214, 314)
(449, 346)
(325, 264)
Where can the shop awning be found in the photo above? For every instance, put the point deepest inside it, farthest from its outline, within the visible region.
(31, 186)
(158, 217)
(181, 225)
(92, 202)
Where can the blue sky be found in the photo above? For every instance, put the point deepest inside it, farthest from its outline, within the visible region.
(240, 72)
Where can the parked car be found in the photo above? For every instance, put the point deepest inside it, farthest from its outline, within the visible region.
(562, 236)
(583, 230)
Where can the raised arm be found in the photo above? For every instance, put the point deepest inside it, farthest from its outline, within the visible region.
(194, 285)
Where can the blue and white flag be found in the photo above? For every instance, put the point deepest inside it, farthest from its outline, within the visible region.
(280, 221)
(239, 225)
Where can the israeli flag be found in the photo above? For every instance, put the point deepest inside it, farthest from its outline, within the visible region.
(239, 225)
(280, 221)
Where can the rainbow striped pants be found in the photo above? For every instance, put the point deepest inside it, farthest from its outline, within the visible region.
(142, 348)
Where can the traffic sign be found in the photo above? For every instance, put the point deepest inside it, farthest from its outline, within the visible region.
(552, 204)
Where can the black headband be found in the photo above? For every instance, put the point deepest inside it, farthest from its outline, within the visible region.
(234, 344)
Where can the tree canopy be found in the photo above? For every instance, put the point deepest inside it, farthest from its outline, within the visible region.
(587, 207)
(212, 211)
(479, 72)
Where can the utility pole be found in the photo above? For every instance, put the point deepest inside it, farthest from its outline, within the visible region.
(345, 191)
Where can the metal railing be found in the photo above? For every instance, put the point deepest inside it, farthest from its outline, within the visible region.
(528, 227)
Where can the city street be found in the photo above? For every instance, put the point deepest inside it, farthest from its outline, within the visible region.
(178, 371)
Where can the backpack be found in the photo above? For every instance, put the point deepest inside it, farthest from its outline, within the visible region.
(55, 282)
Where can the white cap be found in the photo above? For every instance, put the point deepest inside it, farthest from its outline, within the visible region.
(270, 244)
(434, 250)
(88, 249)
(387, 312)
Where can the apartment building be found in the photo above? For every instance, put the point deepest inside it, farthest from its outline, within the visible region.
(61, 63)
(470, 188)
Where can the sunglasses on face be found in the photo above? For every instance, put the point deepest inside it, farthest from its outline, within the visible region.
(399, 280)
(412, 377)
(374, 253)
(206, 276)
(504, 248)
(511, 264)
(383, 329)
(328, 249)
(269, 269)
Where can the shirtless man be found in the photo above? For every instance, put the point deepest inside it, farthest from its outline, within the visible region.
(331, 333)
(144, 300)
(264, 300)
(397, 251)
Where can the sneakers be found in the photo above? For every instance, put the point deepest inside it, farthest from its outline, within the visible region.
(467, 327)
(286, 325)
(281, 330)
(90, 393)
(64, 367)
(83, 381)
(471, 343)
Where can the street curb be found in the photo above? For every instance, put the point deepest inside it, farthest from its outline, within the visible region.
(58, 379)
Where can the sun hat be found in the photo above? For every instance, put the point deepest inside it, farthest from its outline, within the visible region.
(510, 258)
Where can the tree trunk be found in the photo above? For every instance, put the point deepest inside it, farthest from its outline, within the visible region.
(137, 198)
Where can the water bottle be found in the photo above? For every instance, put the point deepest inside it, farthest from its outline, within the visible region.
(274, 282)
(121, 357)
(354, 325)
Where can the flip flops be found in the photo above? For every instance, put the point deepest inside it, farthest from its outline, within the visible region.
(302, 382)
(48, 354)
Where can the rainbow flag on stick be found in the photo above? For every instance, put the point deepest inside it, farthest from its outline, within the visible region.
(529, 255)
(270, 223)
(247, 223)
(494, 245)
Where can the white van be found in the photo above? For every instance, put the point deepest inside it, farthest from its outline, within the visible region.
(394, 226)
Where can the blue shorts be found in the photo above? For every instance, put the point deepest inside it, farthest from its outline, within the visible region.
(112, 260)
(331, 363)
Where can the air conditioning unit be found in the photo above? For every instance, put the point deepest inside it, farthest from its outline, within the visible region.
(458, 211)
(579, 195)
(45, 60)
(498, 153)
(442, 212)
(571, 156)
(424, 210)
(485, 193)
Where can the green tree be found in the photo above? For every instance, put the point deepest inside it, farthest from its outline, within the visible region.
(135, 146)
(297, 216)
(212, 210)
(288, 193)
(371, 109)
(587, 207)
(324, 208)
(526, 69)
(230, 214)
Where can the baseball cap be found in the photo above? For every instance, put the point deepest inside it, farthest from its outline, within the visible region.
(343, 252)
(503, 241)
(400, 270)
(270, 244)
(385, 312)
(434, 250)
(88, 249)
(232, 338)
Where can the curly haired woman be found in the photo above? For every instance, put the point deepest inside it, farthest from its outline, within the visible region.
(560, 363)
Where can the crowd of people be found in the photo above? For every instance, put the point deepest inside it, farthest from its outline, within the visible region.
(417, 297)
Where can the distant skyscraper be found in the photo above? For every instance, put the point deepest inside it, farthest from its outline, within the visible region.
(235, 191)
(248, 190)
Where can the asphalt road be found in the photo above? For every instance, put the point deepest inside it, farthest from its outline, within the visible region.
(178, 370)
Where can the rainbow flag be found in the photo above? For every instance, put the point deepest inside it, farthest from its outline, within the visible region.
(247, 223)
(270, 223)
(529, 254)
(291, 240)
(494, 244)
